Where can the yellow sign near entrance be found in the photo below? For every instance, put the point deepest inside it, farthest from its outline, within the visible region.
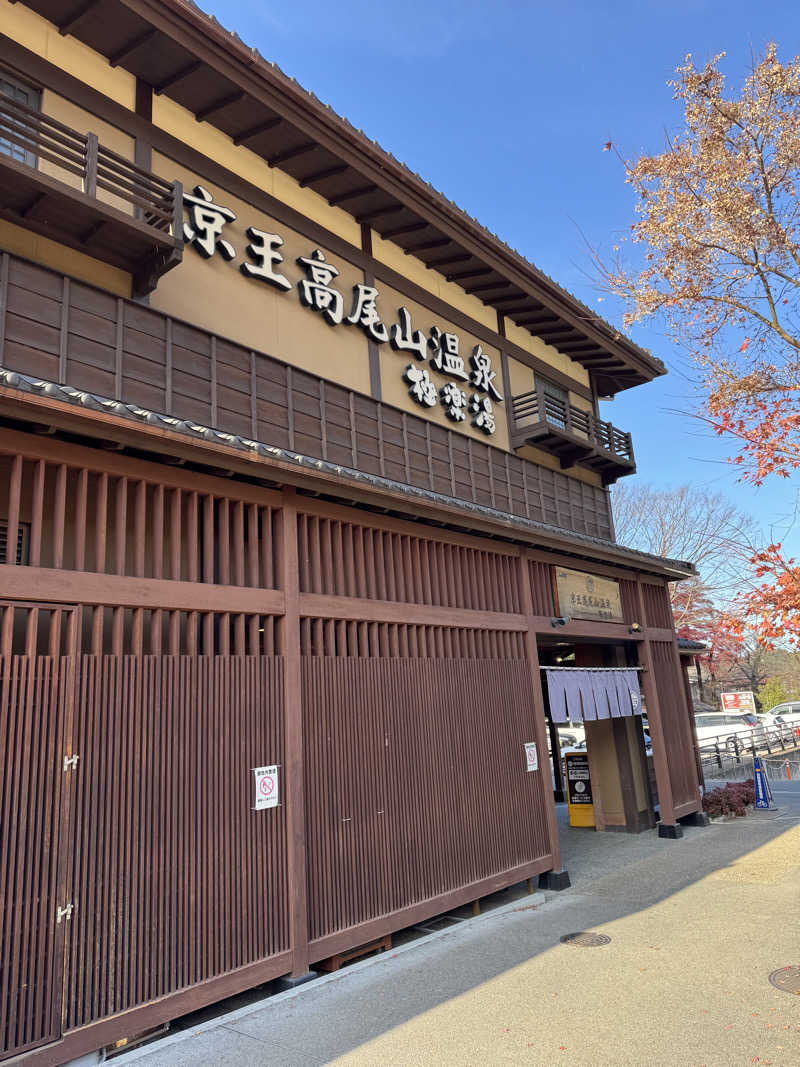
(580, 802)
(586, 596)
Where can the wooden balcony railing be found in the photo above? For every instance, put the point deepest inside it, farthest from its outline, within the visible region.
(40, 158)
(576, 436)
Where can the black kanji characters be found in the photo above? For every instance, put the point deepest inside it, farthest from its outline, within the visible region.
(263, 249)
(316, 291)
(365, 313)
(483, 413)
(406, 339)
(206, 221)
(454, 402)
(422, 388)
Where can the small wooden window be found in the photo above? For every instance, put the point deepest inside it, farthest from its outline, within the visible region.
(21, 94)
(556, 409)
(23, 543)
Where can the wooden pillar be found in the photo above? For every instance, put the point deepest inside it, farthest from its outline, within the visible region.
(684, 698)
(559, 792)
(294, 768)
(526, 595)
(668, 827)
(690, 712)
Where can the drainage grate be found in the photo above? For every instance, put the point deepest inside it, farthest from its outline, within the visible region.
(585, 940)
(786, 979)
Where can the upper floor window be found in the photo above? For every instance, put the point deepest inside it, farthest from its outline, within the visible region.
(556, 400)
(10, 131)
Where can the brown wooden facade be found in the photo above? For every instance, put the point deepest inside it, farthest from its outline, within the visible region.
(186, 628)
(213, 558)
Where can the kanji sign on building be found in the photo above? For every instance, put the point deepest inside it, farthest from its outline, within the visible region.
(587, 596)
(318, 292)
(266, 785)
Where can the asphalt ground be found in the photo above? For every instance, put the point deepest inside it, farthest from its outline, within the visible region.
(696, 927)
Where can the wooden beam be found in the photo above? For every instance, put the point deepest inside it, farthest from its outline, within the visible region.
(219, 105)
(318, 606)
(292, 153)
(32, 205)
(512, 310)
(321, 175)
(129, 48)
(469, 274)
(259, 128)
(423, 246)
(485, 287)
(514, 298)
(83, 587)
(539, 720)
(294, 770)
(179, 75)
(442, 261)
(377, 212)
(409, 227)
(323, 947)
(69, 23)
(352, 194)
(655, 722)
(37, 446)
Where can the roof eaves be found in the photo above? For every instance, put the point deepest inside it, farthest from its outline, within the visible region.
(649, 365)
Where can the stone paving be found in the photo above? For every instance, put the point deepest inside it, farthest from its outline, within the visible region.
(696, 927)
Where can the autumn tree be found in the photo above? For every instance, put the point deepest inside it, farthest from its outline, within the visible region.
(718, 222)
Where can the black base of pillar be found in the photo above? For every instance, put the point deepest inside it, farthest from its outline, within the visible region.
(289, 982)
(554, 880)
(697, 818)
(671, 830)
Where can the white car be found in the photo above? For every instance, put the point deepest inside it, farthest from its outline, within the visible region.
(571, 733)
(732, 729)
(783, 721)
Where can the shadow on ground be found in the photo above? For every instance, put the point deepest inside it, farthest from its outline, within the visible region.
(696, 925)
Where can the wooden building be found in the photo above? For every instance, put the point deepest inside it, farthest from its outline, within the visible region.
(301, 471)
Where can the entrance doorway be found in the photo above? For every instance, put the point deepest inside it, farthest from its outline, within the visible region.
(599, 733)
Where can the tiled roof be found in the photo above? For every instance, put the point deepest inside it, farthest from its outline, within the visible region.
(133, 413)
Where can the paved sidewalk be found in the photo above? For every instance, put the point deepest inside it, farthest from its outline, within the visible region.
(696, 926)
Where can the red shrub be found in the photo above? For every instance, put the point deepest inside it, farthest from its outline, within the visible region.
(730, 799)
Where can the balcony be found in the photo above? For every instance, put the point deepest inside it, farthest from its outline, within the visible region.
(572, 435)
(66, 186)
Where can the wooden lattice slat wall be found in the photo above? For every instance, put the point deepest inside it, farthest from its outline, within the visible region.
(174, 630)
(65, 331)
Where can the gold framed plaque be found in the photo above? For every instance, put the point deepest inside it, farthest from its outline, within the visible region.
(587, 596)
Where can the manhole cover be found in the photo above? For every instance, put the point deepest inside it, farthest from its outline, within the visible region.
(585, 940)
(787, 979)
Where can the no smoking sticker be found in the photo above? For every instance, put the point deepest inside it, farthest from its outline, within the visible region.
(266, 787)
(531, 756)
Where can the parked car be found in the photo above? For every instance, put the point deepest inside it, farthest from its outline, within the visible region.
(734, 729)
(571, 733)
(580, 746)
(783, 721)
(786, 711)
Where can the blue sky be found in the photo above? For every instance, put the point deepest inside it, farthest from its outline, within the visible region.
(505, 107)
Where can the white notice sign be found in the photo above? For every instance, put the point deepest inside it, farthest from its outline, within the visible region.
(531, 756)
(266, 787)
